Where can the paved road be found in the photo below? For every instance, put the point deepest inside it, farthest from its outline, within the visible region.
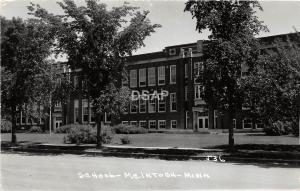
(74, 172)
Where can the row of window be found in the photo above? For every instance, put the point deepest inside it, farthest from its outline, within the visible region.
(140, 105)
(161, 78)
(88, 115)
(151, 124)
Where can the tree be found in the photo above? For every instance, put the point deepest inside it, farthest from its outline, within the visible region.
(273, 88)
(233, 25)
(25, 47)
(97, 40)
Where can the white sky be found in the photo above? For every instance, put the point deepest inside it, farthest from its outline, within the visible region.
(177, 26)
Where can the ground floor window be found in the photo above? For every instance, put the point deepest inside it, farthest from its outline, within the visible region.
(173, 124)
(152, 124)
(133, 123)
(161, 124)
(143, 124)
(247, 123)
(125, 123)
(234, 123)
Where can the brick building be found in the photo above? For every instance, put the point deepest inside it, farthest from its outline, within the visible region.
(173, 70)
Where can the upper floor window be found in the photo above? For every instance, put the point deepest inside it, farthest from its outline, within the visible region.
(161, 75)
(76, 110)
(172, 74)
(198, 68)
(162, 105)
(134, 107)
(133, 78)
(186, 93)
(198, 91)
(85, 111)
(186, 68)
(142, 106)
(151, 77)
(172, 51)
(142, 77)
(75, 81)
(173, 104)
(152, 106)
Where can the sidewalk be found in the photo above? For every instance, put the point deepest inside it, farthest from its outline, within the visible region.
(168, 153)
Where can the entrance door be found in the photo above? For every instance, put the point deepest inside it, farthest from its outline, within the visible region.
(202, 122)
(57, 124)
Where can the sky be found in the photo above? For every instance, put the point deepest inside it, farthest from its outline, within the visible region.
(178, 27)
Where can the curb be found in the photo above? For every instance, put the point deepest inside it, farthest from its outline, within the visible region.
(227, 157)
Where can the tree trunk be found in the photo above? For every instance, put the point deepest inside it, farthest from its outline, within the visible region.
(211, 118)
(230, 129)
(99, 137)
(13, 127)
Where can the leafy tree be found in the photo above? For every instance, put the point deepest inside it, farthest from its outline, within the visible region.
(273, 88)
(233, 25)
(25, 47)
(97, 40)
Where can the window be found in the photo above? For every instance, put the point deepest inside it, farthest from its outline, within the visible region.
(247, 123)
(234, 123)
(76, 81)
(152, 124)
(133, 106)
(125, 123)
(172, 74)
(92, 113)
(142, 106)
(84, 82)
(58, 81)
(162, 105)
(76, 111)
(173, 124)
(173, 104)
(133, 123)
(143, 124)
(133, 78)
(107, 118)
(172, 51)
(162, 124)
(42, 120)
(152, 106)
(161, 75)
(151, 77)
(186, 70)
(198, 68)
(142, 77)
(23, 118)
(198, 90)
(186, 93)
(85, 111)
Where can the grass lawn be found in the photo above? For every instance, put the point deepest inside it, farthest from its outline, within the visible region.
(167, 140)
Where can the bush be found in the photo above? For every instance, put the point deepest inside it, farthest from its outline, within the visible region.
(279, 128)
(5, 126)
(87, 134)
(35, 129)
(129, 129)
(125, 140)
(64, 128)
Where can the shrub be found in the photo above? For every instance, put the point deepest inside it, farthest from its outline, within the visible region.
(279, 128)
(107, 134)
(87, 134)
(5, 126)
(125, 140)
(35, 129)
(64, 128)
(129, 129)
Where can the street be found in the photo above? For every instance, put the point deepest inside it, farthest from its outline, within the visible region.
(78, 172)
